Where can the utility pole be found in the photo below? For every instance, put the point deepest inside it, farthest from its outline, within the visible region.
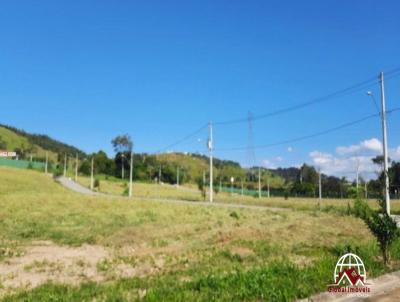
(130, 175)
(47, 161)
(357, 175)
(91, 175)
(177, 176)
(366, 190)
(241, 183)
(268, 186)
(76, 168)
(319, 186)
(385, 152)
(65, 164)
(259, 182)
(210, 149)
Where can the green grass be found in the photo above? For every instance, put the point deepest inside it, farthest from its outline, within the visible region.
(190, 192)
(208, 253)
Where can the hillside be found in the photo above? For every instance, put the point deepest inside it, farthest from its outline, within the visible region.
(192, 166)
(13, 139)
(195, 165)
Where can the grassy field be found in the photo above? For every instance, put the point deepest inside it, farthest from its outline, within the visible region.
(190, 192)
(57, 245)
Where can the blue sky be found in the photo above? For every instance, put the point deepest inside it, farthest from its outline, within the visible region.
(85, 71)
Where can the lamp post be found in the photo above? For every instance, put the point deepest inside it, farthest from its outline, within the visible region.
(384, 138)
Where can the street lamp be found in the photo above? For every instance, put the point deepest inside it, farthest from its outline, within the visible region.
(369, 93)
(384, 141)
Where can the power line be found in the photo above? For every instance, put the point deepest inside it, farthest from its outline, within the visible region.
(345, 125)
(352, 89)
(340, 93)
(185, 138)
(343, 92)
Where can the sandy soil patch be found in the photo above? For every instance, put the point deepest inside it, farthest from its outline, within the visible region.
(44, 261)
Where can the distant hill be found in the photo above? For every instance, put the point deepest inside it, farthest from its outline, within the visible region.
(192, 165)
(195, 165)
(13, 139)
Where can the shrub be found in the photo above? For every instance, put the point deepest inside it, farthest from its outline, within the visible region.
(286, 194)
(234, 215)
(97, 183)
(381, 225)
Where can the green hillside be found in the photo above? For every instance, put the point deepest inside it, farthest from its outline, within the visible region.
(13, 139)
(191, 166)
(195, 165)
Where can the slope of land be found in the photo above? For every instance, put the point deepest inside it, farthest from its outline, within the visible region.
(37, 144)
(116, 249)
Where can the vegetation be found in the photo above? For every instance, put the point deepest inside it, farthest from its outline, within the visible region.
(381, 225)
(283, 182)
(25, 143)
(174, 252)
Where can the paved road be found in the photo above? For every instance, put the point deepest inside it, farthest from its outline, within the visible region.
(70, 184)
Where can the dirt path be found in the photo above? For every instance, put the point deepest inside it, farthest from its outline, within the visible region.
(70, 184)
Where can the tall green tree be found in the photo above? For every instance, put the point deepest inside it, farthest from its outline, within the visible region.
(122, 143)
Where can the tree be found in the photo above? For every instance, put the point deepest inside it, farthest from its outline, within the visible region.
(102, 164)
(378, 160)
(309, 174)
(122, 143)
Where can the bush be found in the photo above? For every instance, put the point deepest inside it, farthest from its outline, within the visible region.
(58, 172)
(97, 183)
(234, 215)
(286, 194)
(381, 225)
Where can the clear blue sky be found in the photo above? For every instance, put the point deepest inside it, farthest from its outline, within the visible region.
(85, 71)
